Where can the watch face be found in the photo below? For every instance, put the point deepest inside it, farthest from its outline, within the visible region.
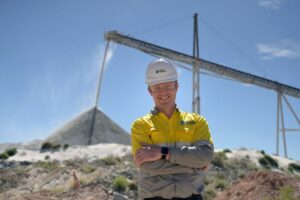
(164, 150)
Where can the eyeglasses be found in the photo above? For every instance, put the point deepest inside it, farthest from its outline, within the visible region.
(166, 87)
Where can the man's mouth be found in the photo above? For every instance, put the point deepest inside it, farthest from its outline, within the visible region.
(164, 97)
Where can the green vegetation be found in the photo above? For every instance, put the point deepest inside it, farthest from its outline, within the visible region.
(294, 166)
(4, 156)
(11, 152)
(87, 168)
(111, 160)
(56, 147)
(209, 194)
(221, 184)
(268, 162)
(219, 159)
(286, 193)
(262, 161)
(227, 151)
(272, 161)
(120, 184)
(65, 146)
(8, 153)
(47, 165)
(132, 186)
(48, 146)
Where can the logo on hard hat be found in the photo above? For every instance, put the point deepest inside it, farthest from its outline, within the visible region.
(160, 70)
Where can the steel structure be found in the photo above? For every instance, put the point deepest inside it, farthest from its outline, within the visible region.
(206, 65)
(194, 63)
(196, 69)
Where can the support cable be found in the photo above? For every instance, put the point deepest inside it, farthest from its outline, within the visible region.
(162, 25)
(233, 46)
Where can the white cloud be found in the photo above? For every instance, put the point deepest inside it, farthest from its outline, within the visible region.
(272, 4)
(283, 49)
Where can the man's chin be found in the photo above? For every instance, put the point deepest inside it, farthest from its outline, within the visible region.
(165, 103)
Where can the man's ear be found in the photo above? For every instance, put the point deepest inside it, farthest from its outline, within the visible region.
(176, 86)
(149, 90)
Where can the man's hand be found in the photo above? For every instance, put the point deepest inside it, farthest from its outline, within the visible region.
(147, 153)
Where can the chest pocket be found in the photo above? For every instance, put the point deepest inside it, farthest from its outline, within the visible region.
(186, 133)
(157, 136)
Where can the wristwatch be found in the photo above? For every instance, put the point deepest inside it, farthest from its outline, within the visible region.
(164, 152)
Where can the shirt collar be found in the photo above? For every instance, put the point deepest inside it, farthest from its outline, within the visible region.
(155, 110)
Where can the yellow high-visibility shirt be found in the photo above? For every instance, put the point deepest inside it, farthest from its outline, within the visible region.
(181, 129)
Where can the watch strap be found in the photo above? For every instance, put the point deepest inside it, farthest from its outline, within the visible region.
(164, 152)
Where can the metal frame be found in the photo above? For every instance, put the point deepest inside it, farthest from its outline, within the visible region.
(98, 93)
(215, 68)
(196, 70)
(221, 70)
(280, 119)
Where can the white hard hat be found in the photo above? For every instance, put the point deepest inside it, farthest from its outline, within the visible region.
(160, 71)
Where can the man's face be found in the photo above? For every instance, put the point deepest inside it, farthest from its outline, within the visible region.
(164, 94)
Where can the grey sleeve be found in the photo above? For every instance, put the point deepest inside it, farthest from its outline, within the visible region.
(163, 167)
(196, 156)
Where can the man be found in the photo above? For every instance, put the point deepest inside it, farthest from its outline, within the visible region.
(170, 147)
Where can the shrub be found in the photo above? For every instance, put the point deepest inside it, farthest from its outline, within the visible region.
(88, 168)
(271, 161)
(47, 157)
(264, 162)
(65, 146)
(209, 194)
(286, 193)
(4, 156)
(268, 162)
(208, 180)
(294, 166)
(11, 152)
(46, 165)
(120, 184)
(241, 176)
(111, 160)
(7, 153)
(56, 147)
(221, 184)
(132, 186)
(219, 159)
(46, 146)
(227, 151)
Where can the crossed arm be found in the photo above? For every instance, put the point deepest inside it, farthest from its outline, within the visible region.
(147, 156)
(183, 160)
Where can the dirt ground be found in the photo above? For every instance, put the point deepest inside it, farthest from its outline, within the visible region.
(85, 193)
(261, 185)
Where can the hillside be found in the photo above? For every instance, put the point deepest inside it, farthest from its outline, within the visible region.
(106, 171)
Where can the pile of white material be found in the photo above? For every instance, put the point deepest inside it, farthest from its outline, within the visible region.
(254, 155)
(90, 153)
(80, 131)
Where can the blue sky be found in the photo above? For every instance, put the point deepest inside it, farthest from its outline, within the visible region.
(51, 52)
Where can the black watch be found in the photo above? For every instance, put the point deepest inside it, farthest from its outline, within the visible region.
(164, 152)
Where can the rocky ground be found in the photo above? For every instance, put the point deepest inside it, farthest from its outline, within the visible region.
(233, 175)
(72, 179)
(263, 185)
